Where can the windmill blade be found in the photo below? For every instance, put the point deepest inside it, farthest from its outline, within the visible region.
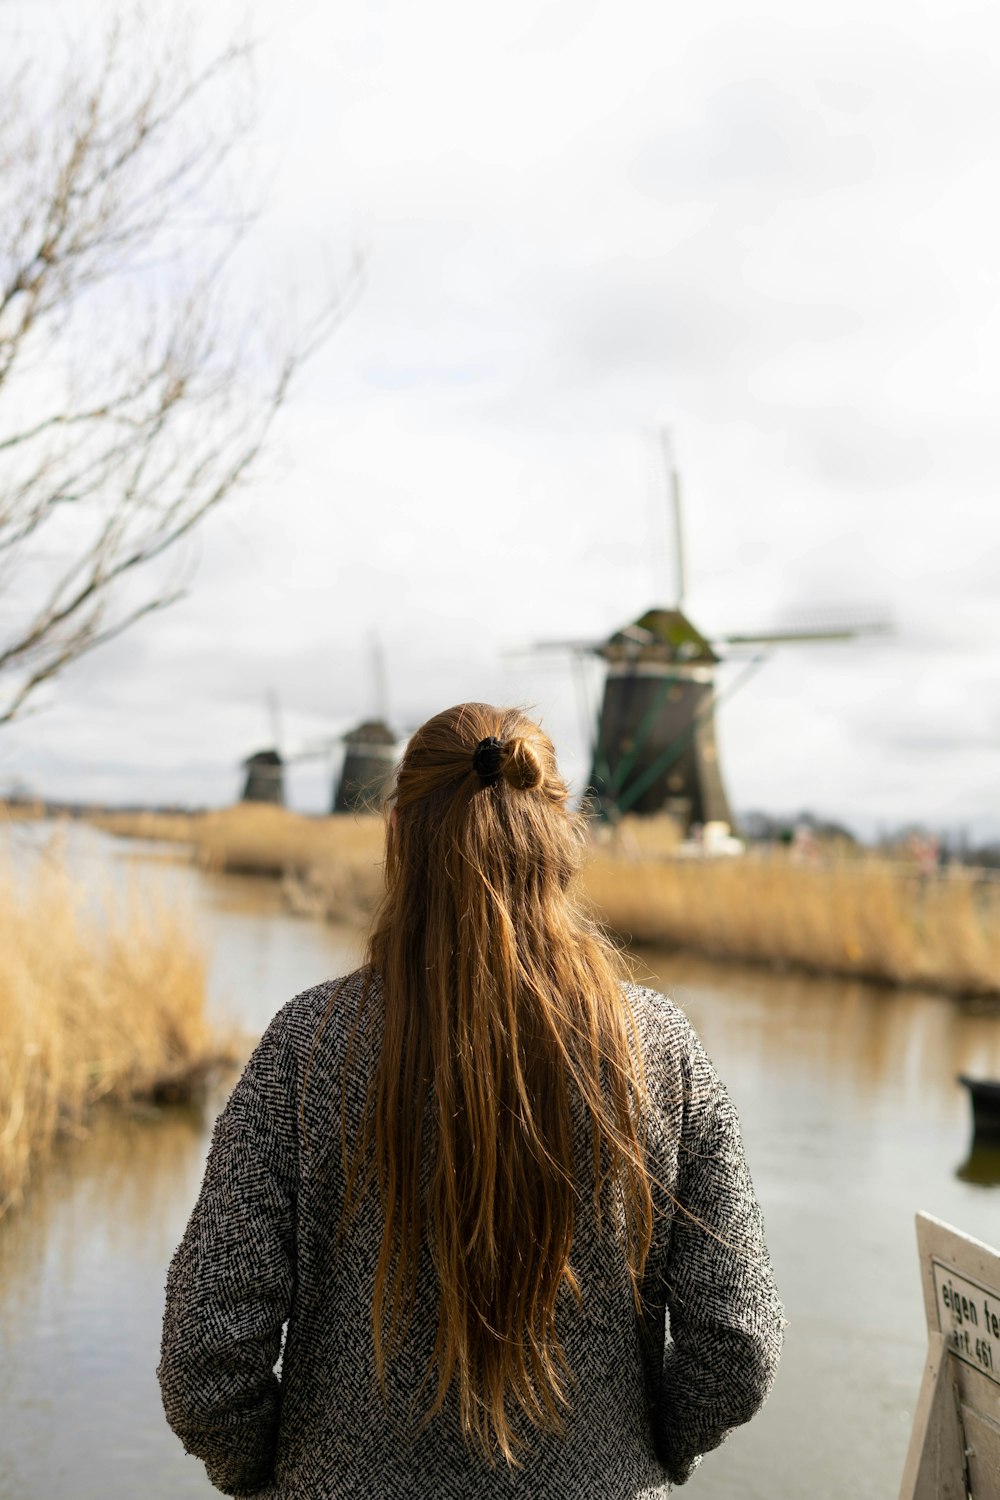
(579, 647)
(380, 748)
(315, 750)
(380, 677)
(674, 488)
(847, 631)
(274, 714)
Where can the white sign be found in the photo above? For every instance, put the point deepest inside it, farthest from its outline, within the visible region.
(969, 1319)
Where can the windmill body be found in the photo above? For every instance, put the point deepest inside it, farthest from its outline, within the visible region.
(655, 748)
(264, 771)
(264, 778)
(370, 749)
(369, 761)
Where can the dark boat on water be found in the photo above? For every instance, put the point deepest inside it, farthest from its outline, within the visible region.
(985, 1096)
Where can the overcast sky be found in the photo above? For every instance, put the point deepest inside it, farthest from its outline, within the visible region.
(774, 227)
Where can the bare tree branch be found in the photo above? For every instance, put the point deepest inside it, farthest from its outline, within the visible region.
(133, 399)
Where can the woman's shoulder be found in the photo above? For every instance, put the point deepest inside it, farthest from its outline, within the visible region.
(294, 1076)
(315, 1023)
(331, 1002)
(319, 1030)
(660, 1020)
(673, 1052)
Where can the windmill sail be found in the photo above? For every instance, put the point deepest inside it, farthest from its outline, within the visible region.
(844, 630)
(674, 487)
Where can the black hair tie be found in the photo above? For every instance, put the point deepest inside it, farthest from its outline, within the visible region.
(486, 760)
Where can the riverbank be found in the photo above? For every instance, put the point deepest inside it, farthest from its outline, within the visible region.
(853, 914)
(861, 918)
(102, 998)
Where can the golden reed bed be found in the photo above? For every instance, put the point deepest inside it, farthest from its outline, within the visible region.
(858, 915)
(100, 998)
(867, 918)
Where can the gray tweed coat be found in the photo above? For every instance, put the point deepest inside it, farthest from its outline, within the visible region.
(261, 1250)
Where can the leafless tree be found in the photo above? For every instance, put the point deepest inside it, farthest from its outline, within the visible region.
(133, 400)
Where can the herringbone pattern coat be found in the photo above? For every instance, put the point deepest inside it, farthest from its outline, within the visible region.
(261, 1249)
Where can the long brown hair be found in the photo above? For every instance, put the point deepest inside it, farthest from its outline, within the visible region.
(501, 1000)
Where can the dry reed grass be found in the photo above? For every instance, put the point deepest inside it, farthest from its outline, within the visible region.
(164, 828)
(101, 997)
(22, 812)
(331, 867)
(857, 915)
(867, 918)
(634, 838)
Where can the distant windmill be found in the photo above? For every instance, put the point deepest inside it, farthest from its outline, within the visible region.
(265, 770)
(655, 750)
(370, 750)
(370, 754)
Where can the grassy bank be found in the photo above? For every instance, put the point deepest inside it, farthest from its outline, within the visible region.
(331, 867)
(857, 915)
(99, 999)
(861, 917)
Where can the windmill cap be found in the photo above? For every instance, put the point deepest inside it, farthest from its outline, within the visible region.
(666, 632)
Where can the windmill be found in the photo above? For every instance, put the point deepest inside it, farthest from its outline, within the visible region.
(371, 749)
(264, 770)
(370, 754)
(654, 750)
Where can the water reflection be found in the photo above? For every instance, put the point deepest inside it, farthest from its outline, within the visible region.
(81, 1272)
(891, 1051)
(853, 1120)
(982, 1165)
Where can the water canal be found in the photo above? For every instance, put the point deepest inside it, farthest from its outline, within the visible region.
(852, 1120)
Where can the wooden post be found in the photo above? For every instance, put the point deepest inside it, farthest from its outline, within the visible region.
(954, 1451)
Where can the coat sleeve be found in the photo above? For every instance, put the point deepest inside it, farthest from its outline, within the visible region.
(725, 1320)
(231, 1281)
